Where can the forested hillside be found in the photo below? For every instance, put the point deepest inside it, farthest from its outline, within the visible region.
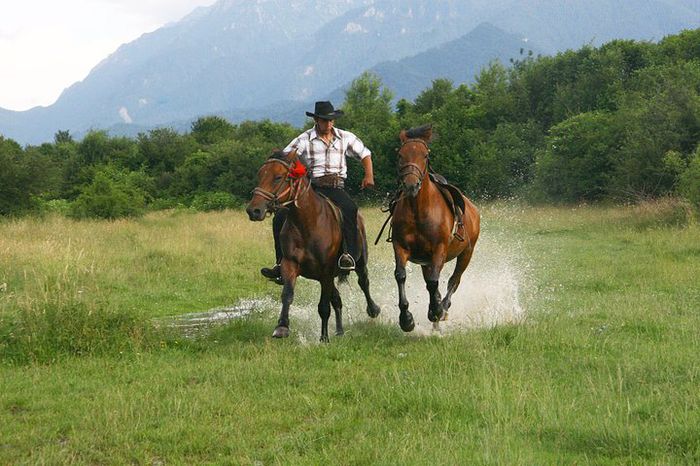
(618, 122)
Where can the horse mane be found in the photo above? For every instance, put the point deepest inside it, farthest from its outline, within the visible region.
(277, 154)
(419, 132)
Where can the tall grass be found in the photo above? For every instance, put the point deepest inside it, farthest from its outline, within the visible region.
(94, 287)
(603, 369)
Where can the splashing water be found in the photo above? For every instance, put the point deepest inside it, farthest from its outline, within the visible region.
(489, 294)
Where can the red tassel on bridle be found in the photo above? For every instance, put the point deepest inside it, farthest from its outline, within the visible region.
(297, 170)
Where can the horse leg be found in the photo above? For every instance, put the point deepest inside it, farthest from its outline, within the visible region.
(431, 275)
(462, 263)
(363, 280)
(324, 307)
(337, 304)
(290, 271)
(405, 317)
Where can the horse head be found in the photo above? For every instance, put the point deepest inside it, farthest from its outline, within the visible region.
(413, 158)
(280, 181)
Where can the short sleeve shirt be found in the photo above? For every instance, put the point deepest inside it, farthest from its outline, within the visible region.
(327, 159)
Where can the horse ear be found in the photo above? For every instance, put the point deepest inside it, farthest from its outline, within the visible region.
(402, 136)
(428, 135)
(291, 155)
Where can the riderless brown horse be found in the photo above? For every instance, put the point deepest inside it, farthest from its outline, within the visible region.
(311, 238)
(429, 226)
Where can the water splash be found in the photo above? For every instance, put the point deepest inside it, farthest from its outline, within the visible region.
(491, 293)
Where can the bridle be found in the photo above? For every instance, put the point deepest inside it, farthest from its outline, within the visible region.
(291, 187)
(410, 168)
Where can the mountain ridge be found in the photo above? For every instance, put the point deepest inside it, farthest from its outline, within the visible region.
(238, 57)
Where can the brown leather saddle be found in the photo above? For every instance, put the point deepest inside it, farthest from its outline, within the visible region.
(454, 198)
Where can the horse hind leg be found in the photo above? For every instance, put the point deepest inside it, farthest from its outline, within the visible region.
(455, 279)
(337, 304)
(373, 309)
(324, 308)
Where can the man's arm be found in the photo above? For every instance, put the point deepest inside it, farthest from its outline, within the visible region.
(368, 180)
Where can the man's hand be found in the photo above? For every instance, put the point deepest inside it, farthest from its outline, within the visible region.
(368, 182)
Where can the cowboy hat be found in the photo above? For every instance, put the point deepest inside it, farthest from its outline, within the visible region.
(325, 111)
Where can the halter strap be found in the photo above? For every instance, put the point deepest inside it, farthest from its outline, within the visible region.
(289, 186)
(410, 168)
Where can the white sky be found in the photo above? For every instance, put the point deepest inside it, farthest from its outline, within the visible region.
(47, 45)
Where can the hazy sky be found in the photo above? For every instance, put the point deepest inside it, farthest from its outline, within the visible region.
(47, 45)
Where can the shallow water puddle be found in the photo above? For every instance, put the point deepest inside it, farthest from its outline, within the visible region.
(196, 323)
(491, 293)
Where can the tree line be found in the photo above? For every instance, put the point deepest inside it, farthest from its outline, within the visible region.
(619, 122)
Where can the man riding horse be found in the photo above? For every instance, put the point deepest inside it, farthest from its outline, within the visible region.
(323, 149)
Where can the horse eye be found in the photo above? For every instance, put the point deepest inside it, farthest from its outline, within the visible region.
(278, 177)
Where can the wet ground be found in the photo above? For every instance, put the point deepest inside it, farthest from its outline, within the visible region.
(491, 293)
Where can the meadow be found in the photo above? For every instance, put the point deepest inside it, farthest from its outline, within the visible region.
(574, 340)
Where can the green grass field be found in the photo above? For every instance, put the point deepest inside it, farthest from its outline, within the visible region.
(574, 340)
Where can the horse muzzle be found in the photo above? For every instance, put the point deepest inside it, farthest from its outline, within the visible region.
(411, 189)
(256, 213)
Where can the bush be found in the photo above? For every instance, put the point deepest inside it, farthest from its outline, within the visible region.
(111, 195)
(206, 202)
(52, 206)
(689, 183)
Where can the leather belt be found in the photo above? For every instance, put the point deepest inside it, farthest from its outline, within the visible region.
(329, 181)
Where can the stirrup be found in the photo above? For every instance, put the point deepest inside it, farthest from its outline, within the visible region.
(346, 262)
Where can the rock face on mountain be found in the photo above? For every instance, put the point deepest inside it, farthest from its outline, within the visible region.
(263, 58)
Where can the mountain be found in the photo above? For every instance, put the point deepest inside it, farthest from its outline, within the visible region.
(459, 60)
(271, 58)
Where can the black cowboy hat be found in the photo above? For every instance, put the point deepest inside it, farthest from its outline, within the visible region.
(325, 111)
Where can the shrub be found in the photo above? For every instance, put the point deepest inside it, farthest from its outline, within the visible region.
(206, 202)
(689, 183)
(111, 195)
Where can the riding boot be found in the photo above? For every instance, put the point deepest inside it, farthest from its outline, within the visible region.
(275, 273)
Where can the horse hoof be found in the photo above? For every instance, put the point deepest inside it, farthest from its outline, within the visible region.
(435, 317)
(339, 333)
(407, 324)
(281, 332)
(325, 339)
(373, 310)
(444, 315)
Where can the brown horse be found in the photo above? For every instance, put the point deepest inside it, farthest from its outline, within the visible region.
(311, 239)
(427, 230)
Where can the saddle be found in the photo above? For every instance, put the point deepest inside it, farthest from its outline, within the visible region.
(334, 208)
(454, 198)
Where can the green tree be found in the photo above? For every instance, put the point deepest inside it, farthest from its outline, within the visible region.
(212, 129)
(577, 161)
(368, 114)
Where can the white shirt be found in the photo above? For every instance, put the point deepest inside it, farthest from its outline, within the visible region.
(327, 159)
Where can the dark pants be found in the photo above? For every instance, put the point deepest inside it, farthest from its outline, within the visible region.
(347, 207)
